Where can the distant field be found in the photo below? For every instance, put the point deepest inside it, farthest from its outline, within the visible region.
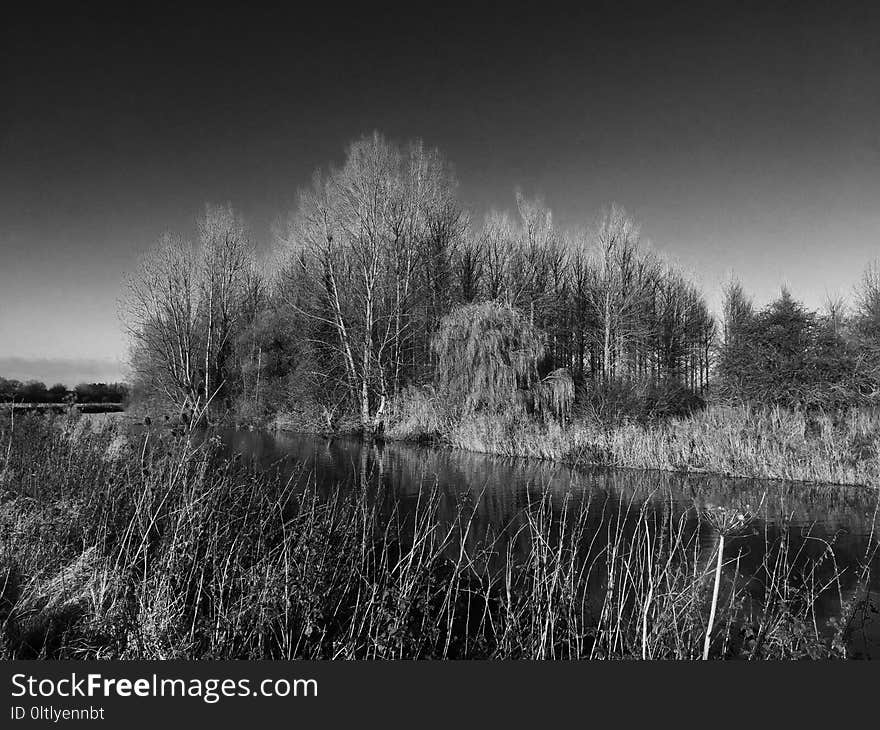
(62, 407)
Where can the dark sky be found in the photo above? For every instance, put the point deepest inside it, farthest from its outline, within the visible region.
(743, 137)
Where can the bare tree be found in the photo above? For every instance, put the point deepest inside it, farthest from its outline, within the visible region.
(227, 275)
(182, 307)
(616, 294)
(867, 303)
(160, 315)
(835, 313)
(366, 239)
(467, 264)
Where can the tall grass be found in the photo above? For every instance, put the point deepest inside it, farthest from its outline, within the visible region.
(773, 443)
(117, 546)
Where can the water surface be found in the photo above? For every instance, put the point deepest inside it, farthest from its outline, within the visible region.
(830, 523)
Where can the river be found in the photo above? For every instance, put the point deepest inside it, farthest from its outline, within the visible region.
(832, 524)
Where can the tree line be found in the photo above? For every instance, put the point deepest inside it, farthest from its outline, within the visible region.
(376, 254)
(345, 316)
(35, 391)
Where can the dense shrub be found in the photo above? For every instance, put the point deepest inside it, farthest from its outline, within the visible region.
(643, 401)
(787, 355)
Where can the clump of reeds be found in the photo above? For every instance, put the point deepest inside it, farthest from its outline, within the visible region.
(417, 415)
(735, 441)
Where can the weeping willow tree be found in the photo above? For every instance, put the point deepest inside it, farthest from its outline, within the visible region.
(486, 354)
(487, 360)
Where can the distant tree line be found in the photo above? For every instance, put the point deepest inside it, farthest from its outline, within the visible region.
(35, 391)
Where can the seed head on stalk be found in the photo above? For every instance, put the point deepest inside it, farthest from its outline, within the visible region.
(726, 521)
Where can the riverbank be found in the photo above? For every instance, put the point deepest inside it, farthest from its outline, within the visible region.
(772, 443)
(760, 443)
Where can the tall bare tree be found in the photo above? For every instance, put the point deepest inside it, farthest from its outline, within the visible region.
(160, 313)
(617, 294)
(366, 237)
(182, 307)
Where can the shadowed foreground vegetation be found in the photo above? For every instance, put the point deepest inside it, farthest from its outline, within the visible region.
(118, 546)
